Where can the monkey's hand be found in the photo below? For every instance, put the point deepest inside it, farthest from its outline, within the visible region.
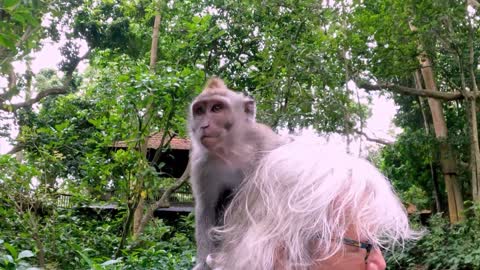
(201, 266)
(209, 264)
(211, 261)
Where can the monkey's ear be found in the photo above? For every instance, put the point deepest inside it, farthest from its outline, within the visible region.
(250, 108)
(215, 82)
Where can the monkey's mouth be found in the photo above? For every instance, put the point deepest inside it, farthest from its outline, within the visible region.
(209, 140)
(208, 137)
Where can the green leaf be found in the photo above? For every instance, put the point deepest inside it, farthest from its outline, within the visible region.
(19, 17)
(7, 41)
(62, 126)
(8, 258)
(85, 258)
(10, 3)
(196, 19)
(25, 254)
(11, 249)
(110, 262)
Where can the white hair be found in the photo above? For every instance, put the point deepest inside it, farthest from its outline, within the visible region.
(300, 202)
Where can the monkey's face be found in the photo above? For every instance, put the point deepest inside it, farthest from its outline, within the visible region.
(212, 121)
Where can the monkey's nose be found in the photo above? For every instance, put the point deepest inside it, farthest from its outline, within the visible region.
(204, 126)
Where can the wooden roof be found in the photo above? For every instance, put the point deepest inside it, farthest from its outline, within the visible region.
(155, 139)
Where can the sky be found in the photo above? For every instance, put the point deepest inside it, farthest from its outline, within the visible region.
(379, 125)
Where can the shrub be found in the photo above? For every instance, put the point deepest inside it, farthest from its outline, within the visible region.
(445, 246)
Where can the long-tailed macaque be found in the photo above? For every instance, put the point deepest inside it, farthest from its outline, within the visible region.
(226, 143)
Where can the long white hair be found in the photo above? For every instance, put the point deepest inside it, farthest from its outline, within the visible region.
(300, 202)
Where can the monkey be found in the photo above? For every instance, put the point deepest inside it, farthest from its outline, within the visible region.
(227, 142)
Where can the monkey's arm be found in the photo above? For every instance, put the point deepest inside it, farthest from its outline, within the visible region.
(206, 189)
(204, 221)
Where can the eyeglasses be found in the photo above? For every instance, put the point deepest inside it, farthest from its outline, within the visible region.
(355, 243)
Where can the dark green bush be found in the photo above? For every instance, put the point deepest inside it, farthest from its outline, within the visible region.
(444, 246)
(164, 247)
(73, 240)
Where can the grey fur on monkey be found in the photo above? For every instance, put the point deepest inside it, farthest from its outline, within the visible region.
(227, 142)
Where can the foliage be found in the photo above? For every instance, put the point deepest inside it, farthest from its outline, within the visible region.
(446, 33)
(297, 58)
(67, 235)
(407, 164)
(19, 205)
(176, 251)
(15, 18)
(10, 258)
(448, 246)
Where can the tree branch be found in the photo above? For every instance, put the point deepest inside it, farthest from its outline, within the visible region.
(164, 201)
(15, 149)
(445, 96)
(159, 151)
(375, 140)
(59, 90)
(49, 92)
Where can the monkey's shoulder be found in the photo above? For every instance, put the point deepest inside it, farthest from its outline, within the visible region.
(258, 132)
(263, 138)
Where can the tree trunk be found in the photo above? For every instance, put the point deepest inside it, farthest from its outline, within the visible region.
(126, 229)
(447, 157)
(164, 200)
(470, 108)
(33, 220)
(474, 145)
(137, 216)
(474, 150)
(433, 174)
(148, 115)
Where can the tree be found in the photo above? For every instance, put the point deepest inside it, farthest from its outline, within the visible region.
(290, 64)
(22, 33)
(389, 56)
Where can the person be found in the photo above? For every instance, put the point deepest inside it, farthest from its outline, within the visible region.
(309, 206)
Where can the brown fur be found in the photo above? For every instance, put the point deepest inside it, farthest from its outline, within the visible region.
(215, 86)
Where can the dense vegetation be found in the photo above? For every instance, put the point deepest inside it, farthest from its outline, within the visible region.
(303, 61)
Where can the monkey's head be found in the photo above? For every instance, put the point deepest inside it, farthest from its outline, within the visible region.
(218, 116)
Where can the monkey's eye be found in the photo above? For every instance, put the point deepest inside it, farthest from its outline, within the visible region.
(217, 108)
(198, 110)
